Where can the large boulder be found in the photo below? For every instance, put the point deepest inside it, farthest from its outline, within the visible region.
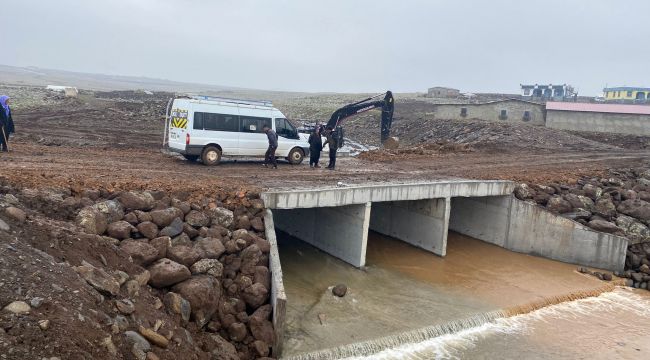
(112, 210)
(92, 220)
(579, 201)
(136, 200)
(250, 256)
(255, 295)
(148, 229)
(262, 330)
(222, 349)
(166, 272)
(604, 226)
(636, 208)
(182, 254)
(222, 217)
(592, 191)
(203, 293)
(142, 253)
(197, 219)
(165, 217)
(523, 192)
(558, 205)
(605, 208)
(210, 248)
(208, 266)
(120, 230)
(161, 244)
(258, 224)
(173, 229)
(635, 231)
(99, 279)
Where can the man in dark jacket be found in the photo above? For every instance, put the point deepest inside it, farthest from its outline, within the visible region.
(269, 157)
(333, 142)
(315, 147)
(6, 123)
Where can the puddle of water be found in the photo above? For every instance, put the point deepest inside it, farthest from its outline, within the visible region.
(405, 288)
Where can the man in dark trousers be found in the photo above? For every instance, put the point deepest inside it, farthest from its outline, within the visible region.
(269, 157)
(333, 140)
(6, 123)
(315, 147)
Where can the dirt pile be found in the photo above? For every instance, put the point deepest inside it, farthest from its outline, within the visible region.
(414, 152)
(134, 274)
(624, 141)
(618, 203)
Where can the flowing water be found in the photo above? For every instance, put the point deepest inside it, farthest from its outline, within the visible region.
(614, 325)
(480, 301)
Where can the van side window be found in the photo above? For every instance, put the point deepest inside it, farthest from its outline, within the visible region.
(198, 121)
(251, 124)
(284, 128)
(216, 122)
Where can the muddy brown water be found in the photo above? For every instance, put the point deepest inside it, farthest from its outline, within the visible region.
(404, 288)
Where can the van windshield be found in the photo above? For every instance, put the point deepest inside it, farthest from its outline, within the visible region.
(285, 129)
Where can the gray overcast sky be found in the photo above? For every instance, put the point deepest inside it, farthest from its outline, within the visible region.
(338, 45)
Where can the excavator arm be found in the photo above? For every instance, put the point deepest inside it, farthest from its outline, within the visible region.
(387, 105)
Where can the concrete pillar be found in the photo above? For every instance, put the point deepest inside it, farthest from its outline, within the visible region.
(422, 223)
(340, 231)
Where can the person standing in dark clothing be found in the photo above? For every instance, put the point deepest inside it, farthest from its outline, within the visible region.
(269, 157)
(332, 141)
(6, 123)
(315, 147)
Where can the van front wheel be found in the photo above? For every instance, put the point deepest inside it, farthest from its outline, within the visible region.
(211, 155)
(296, 156)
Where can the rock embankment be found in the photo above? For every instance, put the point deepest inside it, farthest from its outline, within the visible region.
(209, 263)
(137, 275)
(618, 203)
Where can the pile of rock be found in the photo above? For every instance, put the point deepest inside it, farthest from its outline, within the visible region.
(637, 265)
(208, 263)
(617, 204)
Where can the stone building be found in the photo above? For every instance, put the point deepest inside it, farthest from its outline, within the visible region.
(508, 110)
(443, 92)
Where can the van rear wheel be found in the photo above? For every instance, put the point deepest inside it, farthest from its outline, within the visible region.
(211, 155)
(296, 155)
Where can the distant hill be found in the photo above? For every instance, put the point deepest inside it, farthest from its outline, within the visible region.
(38, 76)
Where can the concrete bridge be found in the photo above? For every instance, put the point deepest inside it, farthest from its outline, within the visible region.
(337, 219)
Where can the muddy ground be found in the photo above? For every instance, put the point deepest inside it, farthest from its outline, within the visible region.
(110, 141)
(113, 140)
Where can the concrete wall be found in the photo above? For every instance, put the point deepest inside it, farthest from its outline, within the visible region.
(484, 218)
(492, 111)
(340, 231)
(422, 223)
(278, 296)
(600, 122)
(523, 227)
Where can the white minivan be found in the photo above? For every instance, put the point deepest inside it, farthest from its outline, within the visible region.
(209, 128)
